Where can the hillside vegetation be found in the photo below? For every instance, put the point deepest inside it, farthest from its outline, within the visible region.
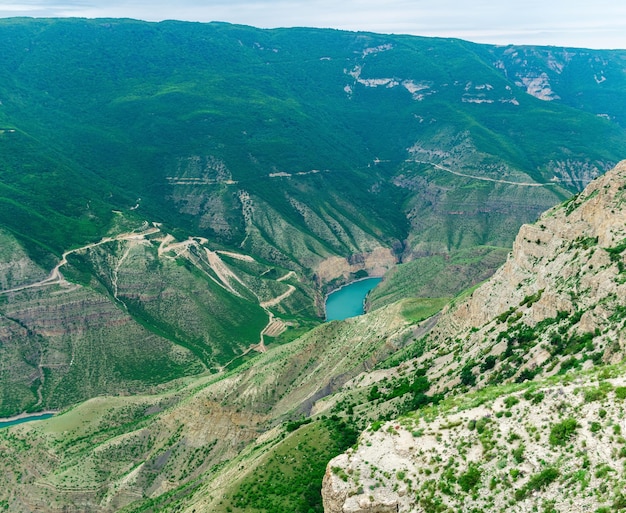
(257, 138)
(177, 198)
(539, 338)
(328, 154)
(546, 424)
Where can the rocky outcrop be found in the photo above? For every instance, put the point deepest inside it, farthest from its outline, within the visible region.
(565, 277)
(375, 263)
(571, 244)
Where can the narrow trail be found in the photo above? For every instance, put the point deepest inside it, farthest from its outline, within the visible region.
(484, 178)
(276, 300)
(225, 279)
(290, 274)
(274, 326)
(182, 249)
(238, 256)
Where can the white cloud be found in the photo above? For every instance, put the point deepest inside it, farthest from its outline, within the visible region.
(598, 24)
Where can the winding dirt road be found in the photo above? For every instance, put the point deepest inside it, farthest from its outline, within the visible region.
(56, 278)
(484, 178)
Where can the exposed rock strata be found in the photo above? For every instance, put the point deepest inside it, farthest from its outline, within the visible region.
(376, 263)
(570, 261)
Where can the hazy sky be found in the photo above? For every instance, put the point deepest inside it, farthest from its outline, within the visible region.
(593, 24)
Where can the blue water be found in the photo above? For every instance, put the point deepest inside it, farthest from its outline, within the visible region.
(25, 419)
(348, 300)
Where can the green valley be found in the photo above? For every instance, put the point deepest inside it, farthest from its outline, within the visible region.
(177, 199)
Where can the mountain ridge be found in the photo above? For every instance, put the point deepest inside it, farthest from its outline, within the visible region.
(553, 310)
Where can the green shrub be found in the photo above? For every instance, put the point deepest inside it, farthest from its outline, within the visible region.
(619, 503)
(481, 424)
(543, 479)
(467, 376)
(505, 315)
(603, 470)
(488, 364)
(620, 392)
(511, 401)
(340, 473)
(563, 431)
(518, 454)
(534, 398)
(295, 424)
(374, 394)
(594, 394)
(537, 482)
(533, 298)
(376, 425)
(470, 479)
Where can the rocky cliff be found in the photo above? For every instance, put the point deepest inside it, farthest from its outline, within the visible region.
(557, 300)
(556, 308)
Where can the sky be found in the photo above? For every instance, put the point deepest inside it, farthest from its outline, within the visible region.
(595, 24)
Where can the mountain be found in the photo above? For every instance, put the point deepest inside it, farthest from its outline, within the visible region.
(221, 179)
(244, 135)
(177, 198)
(550, 321)
(512, 393)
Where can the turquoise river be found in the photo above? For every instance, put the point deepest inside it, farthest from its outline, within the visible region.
(21, 420)
(348, 301)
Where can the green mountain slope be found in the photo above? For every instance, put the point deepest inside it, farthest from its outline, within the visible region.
(152, 451)
(133, 311)
(321, 152)
(544, 334)
(188, 117)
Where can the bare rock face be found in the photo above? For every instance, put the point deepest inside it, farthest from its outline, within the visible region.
(570, 264)
(340, 496)
(376, 263)
(564, 247)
